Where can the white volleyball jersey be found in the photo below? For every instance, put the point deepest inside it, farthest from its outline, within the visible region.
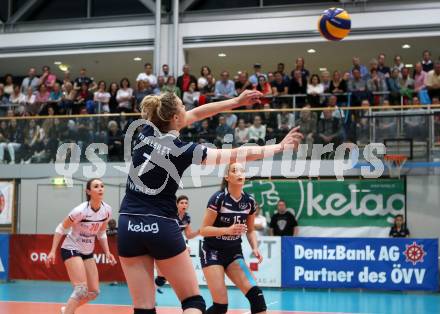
(86, 224)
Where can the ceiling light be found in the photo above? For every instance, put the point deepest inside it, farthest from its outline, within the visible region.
(406, 46)
(63, 67)
(311, 51)
(222, 54)
(409, 65)
(137, 59)
(57, 62)
(322, 69)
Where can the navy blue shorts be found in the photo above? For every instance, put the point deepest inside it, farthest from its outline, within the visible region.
(155, 236)
(66, 254)
(212, 256)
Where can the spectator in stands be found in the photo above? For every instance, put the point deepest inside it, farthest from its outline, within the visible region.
(16, 99)
(281, 69)
(241, 133)
(4, 139)
(115, 140)
(4, 99)
(264, 87)
(124, 96)
(260, 222)
(68, 99)
(170, 87)
(112, 228)
(83, 79)
(205, 134)
(148, 75)
(83, 98)
(41, 98)
(56, 94)
(279, 86)
(285, 120)
(225, 88)
(202, 81)
(397, 63)
(159, 86)
(419, 77)
(427, 63)
(30, 81)
(191, 97)
(257, 73)
(113, 102)
(377, 85)
(29, 102)
(399, 229)
(415, 123)
(386, 126)
(33, 140)
(209, 90)
(270, 77)
(358, 66)
(307, 123)
(84, 129)
(406, 85)
(223, 132)
(15, 139)
(257, 131)
(298, 86)
(101, 98)
(231, 120)
(8, 86)
(394, 87)
(433, 81)
(143, 89)
(283, 222)
(338, 86)
(185, 79)
(51, 129)
(385, 70)
(358, 87)
(66, 80)
(299, 66)
(329, 130)
(332, 103)
(325, 81)
(362, 123)
(243, 83)
(48, 78)
(314, 91)
(165, 71)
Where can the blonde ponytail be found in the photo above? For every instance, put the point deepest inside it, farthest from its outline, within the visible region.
(160, 110)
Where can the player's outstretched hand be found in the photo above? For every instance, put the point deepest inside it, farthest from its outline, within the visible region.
(294, 137)
(249, 97)
(258, 255)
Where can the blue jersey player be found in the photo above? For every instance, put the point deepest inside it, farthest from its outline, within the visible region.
(149, 230)
(230, 213)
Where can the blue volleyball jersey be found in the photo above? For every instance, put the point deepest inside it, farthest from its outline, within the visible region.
(184, 221)
(158, 162)
(229, 211)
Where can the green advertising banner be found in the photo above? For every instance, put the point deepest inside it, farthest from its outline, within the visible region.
(333, 203)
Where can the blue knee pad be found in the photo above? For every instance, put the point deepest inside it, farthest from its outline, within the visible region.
(256, 300)
(194, 302)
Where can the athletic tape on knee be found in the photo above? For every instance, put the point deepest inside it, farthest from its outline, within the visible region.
(93, 295)
(80, 292)
(256, 300)
(246, 271)
(217, 308)
(144, 311)
(194, 302)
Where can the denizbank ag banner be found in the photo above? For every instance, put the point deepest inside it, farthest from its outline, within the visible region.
(331, 208)
(391, 264)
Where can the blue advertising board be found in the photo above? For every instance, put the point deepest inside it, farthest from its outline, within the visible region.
(374, 263)
(4, 256)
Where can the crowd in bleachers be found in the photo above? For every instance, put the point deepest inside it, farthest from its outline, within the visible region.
(383, 82)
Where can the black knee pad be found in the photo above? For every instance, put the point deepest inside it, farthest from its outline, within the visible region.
(256, 300)
(160, 281)
(194, 302)
(217, 308)
(144, 311)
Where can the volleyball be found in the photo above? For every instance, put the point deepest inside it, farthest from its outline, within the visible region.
(334, 24)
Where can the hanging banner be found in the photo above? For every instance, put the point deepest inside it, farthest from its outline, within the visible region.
(6, 202)
(389, 264)
(332, 208)
(28, 254)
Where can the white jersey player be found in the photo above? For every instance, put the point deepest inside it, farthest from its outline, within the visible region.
(86, 222)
